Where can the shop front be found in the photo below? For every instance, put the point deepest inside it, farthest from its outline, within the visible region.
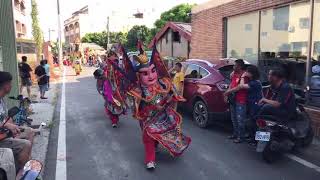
(277, 36)
(267, 34)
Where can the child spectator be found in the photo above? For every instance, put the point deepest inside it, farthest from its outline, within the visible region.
(254, 88)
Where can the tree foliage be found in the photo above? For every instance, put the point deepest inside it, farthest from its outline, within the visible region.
(179, 13)
(135, 33)
(36, 30)
(101, 38)
(55, 48)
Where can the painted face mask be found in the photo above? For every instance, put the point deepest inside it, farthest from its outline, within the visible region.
(148, 75)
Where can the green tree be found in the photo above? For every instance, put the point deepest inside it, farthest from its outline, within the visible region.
(135, 33)
(36, 30)
(179, 13)
(101, 38)
(55, 48)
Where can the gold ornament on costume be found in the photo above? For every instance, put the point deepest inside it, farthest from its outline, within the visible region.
(142, 58)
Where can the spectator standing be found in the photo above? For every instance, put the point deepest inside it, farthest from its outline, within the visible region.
(178, 78)
(42, 79)
(255, 94)
(24, 72)
(47, 68)
(238, 102)
(21, 148)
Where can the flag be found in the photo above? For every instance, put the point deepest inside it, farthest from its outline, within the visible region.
(128, 66)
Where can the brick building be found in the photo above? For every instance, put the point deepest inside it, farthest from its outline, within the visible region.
(267, 33)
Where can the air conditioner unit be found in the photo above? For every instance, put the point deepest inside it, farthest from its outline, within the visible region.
(291, 29)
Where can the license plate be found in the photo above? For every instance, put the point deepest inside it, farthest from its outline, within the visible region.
(262, 136)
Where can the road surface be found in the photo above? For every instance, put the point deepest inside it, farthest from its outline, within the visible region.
(96, 151)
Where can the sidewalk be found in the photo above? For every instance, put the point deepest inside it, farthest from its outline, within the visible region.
(43, 112)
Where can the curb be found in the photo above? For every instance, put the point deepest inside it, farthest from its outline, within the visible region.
(44, 114)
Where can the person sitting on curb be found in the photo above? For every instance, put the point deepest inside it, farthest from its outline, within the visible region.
(20, 147)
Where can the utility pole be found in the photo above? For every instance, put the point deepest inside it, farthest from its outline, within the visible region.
(108, 30)
(59, 33)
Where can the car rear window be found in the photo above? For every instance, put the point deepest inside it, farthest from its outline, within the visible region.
(225, 71)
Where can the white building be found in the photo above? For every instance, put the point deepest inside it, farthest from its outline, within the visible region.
(23, 22)
(93, 18)
(76, 26)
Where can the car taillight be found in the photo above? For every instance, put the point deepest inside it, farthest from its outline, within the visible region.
(261, 123)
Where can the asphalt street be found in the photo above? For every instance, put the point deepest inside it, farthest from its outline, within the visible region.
(96, 151)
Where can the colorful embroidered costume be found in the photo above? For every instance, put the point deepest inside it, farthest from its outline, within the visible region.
(154, 97)
(77, 67)
(115, 105)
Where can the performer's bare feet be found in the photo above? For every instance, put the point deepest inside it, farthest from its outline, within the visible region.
(151, 165)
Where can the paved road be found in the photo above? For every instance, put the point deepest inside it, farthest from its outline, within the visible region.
(98, 152)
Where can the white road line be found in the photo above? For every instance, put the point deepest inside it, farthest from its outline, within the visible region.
(61, 166)
(304, 162)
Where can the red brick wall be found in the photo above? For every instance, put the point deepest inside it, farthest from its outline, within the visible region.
(207, 26)
(46, 50)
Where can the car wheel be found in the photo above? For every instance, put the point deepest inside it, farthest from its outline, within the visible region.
(3, 175)
(200, 114)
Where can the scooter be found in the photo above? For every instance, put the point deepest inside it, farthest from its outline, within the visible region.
(24, 108)
(31, 169)
(275, 137)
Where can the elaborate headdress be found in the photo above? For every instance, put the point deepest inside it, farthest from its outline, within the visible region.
(141, 61)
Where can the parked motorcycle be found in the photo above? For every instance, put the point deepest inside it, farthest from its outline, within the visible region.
(24, 106)
(276, 137)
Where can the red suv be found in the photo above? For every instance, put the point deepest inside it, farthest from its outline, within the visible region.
(204, 85)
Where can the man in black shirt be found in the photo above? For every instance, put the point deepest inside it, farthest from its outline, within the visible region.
(280, 99)
(24, 71)
(42, 79)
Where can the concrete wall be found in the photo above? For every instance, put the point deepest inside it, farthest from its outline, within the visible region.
(170, 48)
(165, 44)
